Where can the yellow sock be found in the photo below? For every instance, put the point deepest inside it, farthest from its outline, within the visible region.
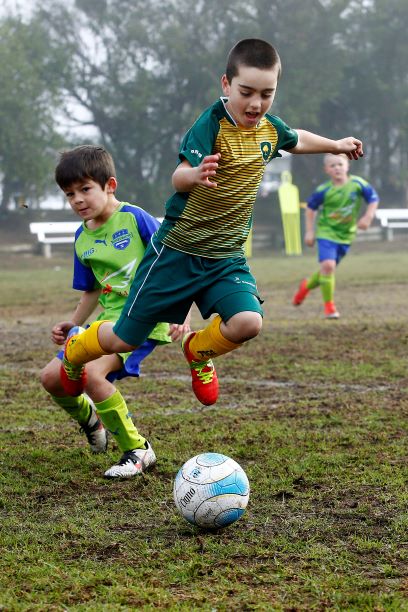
(209, 342)
(85, 346)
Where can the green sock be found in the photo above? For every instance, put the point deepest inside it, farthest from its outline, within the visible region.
(77, 407)
(313, 281)
(118, 420)
(327, 284)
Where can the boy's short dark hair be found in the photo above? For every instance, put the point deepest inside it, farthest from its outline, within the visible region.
(252, 52)
(84, 162)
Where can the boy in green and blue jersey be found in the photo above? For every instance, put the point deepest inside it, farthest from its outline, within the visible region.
(336, 205)
(109, 246)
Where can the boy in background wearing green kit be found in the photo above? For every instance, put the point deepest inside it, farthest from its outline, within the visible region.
(336, 204)
(197, 255)
(109, 246)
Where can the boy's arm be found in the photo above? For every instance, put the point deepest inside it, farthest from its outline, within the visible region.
(310, 226)
(185, 176)
(366, 220)
(84, 308)
(313, 143)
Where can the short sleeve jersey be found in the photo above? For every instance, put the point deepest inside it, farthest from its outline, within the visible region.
(108, 258)
(216, 222)
(339, 206)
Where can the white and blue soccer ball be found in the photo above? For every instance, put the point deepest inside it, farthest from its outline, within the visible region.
(211, 490)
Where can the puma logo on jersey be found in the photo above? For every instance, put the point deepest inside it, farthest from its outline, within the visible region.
(97, 241)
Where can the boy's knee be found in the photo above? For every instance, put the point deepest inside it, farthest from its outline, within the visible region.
(253, 326)
(327, 267)
(93, 375)
(50, 377)
(244, 326)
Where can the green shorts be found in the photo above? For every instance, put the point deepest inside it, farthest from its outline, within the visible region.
(169, 281)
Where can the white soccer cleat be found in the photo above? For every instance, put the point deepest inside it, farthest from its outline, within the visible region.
(96, 433)
(132, 463)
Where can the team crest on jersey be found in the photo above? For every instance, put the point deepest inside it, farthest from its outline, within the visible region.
(266, 150)
(121, 239)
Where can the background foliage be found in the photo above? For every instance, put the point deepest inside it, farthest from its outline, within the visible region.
(140, 77)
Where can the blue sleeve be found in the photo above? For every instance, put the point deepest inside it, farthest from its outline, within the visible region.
(146, 224)
(84, 279)
(316, 199)
(368, 192)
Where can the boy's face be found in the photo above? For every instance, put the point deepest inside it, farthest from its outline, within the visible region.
(337, 167)
(88, 200)
(250, 94)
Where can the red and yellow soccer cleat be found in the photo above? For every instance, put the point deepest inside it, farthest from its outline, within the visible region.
(204, 377)
(301, 293)
(330, 311)
(73, 377)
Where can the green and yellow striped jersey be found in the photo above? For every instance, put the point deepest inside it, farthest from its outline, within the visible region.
(215, 222)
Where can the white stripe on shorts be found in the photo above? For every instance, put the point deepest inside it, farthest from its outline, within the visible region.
(147, 275)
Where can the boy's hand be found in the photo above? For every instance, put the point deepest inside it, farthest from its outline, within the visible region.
(60, 330)
(365, 222)
(207, 168)
(309, 239)
(351, 146)
(177, 332)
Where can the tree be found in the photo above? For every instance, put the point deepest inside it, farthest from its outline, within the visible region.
(142, 79)
(376, 81)
(27, 125)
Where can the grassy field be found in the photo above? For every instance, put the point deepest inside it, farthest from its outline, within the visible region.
(315, 411)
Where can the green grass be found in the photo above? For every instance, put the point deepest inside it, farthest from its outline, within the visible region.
(315, 411)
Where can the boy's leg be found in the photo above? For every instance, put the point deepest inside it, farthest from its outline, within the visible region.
(84, 346)
(306, 285)
(81, 410)
(197, 349)
(330, 255)
(81, 346)
(327, 286)
(209, 342)
(137, 455)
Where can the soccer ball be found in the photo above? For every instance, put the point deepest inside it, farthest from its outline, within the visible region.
(211, 490)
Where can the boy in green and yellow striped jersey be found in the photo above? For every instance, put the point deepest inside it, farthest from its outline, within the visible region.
(198, 249)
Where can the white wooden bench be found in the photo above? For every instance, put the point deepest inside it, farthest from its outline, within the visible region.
(58, 232)
(371, 234)
(392, 218)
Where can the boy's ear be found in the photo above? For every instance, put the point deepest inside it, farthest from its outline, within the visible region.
(226, 87)
(111, 184)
